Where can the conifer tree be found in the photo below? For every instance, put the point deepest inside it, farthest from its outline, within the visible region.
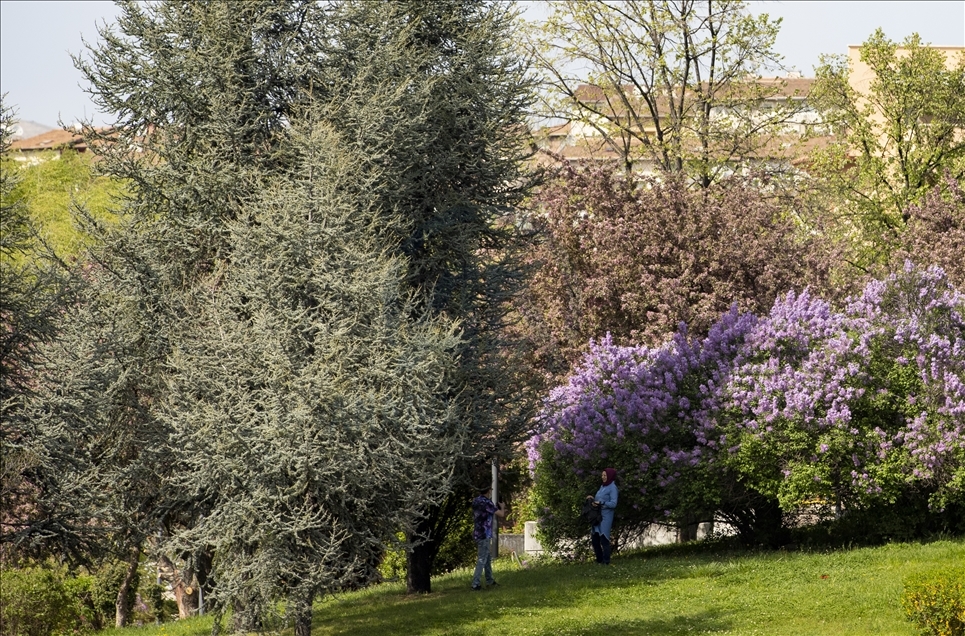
(306, 403)
(450, 95)
(201, 93)
(32, 292)
(259, 301)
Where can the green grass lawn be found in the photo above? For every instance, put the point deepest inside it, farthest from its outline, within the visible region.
(659, 592)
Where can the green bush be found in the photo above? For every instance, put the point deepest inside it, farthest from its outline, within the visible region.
(47, 600)
(48, 190)
(457, 551)
(37, 601)
(935, 601)
(393, 563)
(459, 548)
(909, 518)
(153, 597)
(107, 581)
(80, 588)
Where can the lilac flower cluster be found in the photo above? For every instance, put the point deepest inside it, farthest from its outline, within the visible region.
(807, 403)
(793, 393)
(649, 412)
(923, 320)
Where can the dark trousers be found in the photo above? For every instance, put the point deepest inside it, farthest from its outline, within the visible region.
(601, 547)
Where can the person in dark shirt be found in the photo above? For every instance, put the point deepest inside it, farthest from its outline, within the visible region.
(483, 510)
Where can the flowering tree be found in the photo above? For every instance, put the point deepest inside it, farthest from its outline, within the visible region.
(805, 405)
(854, 406)
(650, 413)
(935, 233)
(635, 258)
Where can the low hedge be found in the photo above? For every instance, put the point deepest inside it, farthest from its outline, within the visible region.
(935, 601)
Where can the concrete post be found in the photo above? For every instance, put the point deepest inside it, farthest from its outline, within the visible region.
(494, 550)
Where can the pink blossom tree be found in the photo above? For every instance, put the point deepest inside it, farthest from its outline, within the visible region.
(635, 258)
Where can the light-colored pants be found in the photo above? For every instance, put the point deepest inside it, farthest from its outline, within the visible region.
(484, 561)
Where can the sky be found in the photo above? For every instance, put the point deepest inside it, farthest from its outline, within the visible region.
(40, 81)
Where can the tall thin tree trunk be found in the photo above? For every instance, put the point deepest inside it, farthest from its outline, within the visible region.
(121, 612)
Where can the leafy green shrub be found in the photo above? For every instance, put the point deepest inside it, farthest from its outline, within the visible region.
(907, 518)
(107, 581)
(525, 508)
(393, 563)
(152, 596)
(36, 601)
(79, 587)
(457, 550)
(49, 188)
(935, 601)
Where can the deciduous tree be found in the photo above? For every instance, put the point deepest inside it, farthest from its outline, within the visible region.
(635, 258)
(671, 83)
(855, 408)
(894, 140)
(935, 234)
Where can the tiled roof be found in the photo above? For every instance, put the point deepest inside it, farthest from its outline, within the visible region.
(787, 87)
(51, 140)
(56, 139)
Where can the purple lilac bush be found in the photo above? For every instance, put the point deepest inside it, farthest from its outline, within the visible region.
(650, 413)
(806, 405)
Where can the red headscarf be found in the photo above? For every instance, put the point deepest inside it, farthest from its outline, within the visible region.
(611, 474)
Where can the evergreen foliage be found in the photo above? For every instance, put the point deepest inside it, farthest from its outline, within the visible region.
(33, 291)
(197, 114)
(307, 402)
(437, 105)
(262, 370)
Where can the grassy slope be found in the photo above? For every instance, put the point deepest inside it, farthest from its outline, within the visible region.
(656, 592)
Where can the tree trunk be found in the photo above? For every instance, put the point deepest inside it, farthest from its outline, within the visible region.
(187, 601)
(687, 529)
(181, 581)
(769, 523)
(303, 614)
(419, 561)
(418, 579)
(245, 617)
(121, 606)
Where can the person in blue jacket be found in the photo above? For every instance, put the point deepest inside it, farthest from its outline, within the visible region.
(606, 501)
